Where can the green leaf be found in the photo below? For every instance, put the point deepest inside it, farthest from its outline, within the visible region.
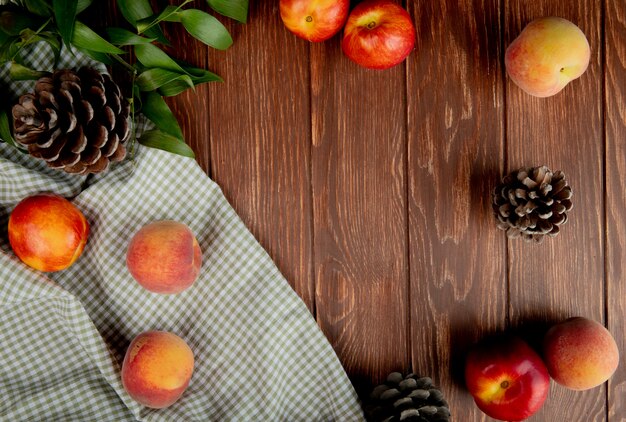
(169, 14)
(173, 88)
(156, 109)
(65, 15)
(38, 7)
(135, 10)
(236, 9)
(23, 73)
(9, 49)
(81, 5)
(120, 36)
(5, 128)
(198, 76)
(97, 56)
(12, 23)
(152, 79)
(151, 56)
(206, 28)
(163, 141)
(87, 39)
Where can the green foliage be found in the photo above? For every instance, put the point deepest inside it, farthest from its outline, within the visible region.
(154, 73)
(161, 140)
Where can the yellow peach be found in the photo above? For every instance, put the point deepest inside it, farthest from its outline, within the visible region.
(164, 257)
(47, 232)
(580, 353)
(548, 54)
(157, 368)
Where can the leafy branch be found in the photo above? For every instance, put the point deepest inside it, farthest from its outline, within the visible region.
(153, 72)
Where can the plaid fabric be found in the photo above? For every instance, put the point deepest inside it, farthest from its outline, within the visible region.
(259, 353)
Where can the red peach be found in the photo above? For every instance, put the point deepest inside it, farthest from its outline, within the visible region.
(157, 368)
(164, 257)
(580, 353)
(47, 232)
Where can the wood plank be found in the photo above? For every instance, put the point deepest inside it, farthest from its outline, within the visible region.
(615, 124)
(261, 139)
(359, 191)
(455, 155)
(563, 276)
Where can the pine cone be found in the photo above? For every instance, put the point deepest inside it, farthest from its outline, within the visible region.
(75, 121)
(408, 399)
(532, 202)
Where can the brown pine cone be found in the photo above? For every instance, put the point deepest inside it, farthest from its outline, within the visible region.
(75, 121)
(532, 202)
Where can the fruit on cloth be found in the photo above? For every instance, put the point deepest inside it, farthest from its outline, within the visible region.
(314, 20)
(548, 54)
(75, 121)
(47, 232)
(507, 378)
(406, 399)
(580, 353)
(157, 368)
(532, 203)
(164, 257)
(379, 34)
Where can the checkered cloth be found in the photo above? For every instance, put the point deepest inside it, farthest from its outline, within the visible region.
(259, 353)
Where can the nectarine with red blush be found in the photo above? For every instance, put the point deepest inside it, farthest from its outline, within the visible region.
(164, 257)
(47, 232)
(157, 368)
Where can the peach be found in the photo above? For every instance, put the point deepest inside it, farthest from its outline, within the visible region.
(548, 54)
(157, 368)
(164, 257)
(47, 232)
(580, 353)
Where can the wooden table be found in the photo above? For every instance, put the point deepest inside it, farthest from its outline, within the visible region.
(371, 189)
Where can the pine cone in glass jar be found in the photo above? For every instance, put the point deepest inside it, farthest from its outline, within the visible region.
(532, 202)
(75, 121)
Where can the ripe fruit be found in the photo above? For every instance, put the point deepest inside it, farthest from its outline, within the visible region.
(314, 20)
(157, 368)
(547, 55)
(164, 257)
(507, 378)
(379, 34)
(47, 232)
(580, 353)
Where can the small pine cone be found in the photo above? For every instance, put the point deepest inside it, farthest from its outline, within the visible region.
(406, 399)
(75, 121)
(532, 202)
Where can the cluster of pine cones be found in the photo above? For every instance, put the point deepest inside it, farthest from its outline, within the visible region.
(76, 121)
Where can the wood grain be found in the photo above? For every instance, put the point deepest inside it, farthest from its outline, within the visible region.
(615, 126)
(359, 193)
(563, 276)
(261, 139)
(455, 154)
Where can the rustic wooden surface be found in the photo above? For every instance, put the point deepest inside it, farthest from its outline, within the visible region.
(371, 189)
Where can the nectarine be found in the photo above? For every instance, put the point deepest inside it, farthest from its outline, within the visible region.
(580, 353)
(157, 368)
(47, 232)
(164, 257)
(547, 55)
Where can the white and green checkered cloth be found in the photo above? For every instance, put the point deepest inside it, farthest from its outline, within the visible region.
(260, 355)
